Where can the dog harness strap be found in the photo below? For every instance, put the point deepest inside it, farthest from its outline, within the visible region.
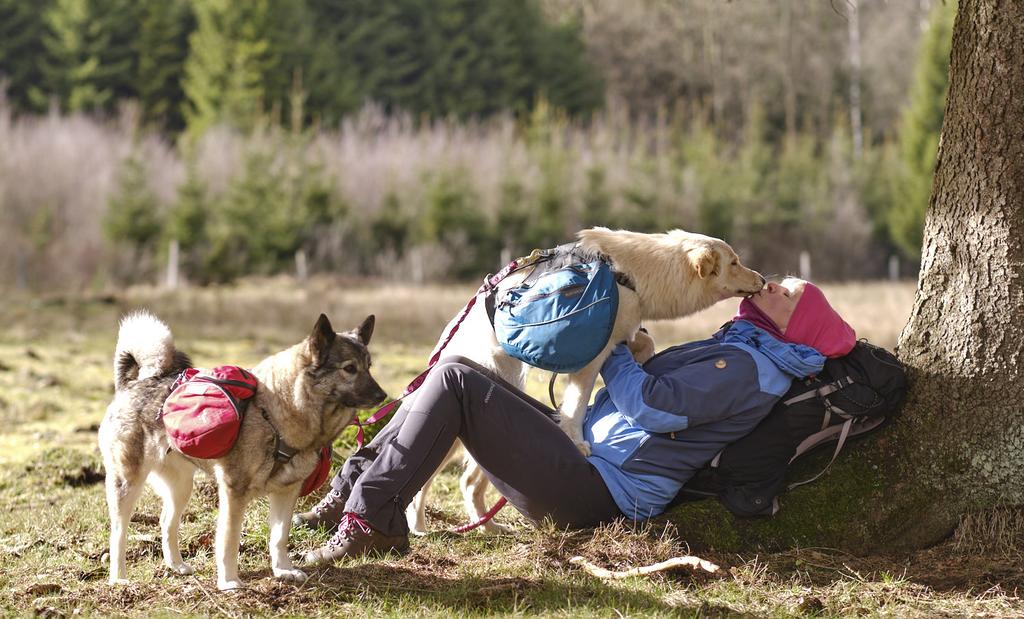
(283, 452)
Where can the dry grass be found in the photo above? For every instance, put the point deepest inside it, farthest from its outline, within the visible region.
(55, 382)
(279, 310)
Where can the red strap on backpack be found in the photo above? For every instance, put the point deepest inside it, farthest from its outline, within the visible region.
(319, 474)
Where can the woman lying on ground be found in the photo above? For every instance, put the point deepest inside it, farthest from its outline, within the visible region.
(651, 428)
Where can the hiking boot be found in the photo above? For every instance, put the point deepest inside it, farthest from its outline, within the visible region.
(325, 514)
(355, 538)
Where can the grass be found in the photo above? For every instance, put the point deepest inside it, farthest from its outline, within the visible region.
(55, 382)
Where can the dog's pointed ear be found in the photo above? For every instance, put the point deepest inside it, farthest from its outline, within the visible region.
(365, 330)
(321, 338)
(705, 261)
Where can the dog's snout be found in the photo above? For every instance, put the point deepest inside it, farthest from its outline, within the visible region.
(372, 394)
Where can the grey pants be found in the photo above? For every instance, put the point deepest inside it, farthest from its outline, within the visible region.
(513, 437)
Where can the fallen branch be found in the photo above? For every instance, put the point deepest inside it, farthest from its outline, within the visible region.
(673, 563)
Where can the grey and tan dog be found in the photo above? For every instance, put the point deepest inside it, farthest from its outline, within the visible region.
(306, 396)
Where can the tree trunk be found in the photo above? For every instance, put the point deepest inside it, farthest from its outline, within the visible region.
(959, 445)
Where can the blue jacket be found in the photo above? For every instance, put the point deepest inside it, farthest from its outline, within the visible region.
(652, 427)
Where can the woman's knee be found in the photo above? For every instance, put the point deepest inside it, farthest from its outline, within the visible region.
(455, 370)
(465, 363)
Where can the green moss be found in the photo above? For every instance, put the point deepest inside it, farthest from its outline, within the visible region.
(859, 505)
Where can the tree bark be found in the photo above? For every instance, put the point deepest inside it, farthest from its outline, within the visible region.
(959, 444)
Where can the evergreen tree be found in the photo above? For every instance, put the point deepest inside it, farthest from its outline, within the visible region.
(549, 210)
(513, 219)
(396, 63)
(161, 49)
(119, 19)
(273, 209)
(88, 59)
(290, 33)
(452, 220)
(560, 69)
(229, 56)
(920, 129)
(466, 58)
(21, 46)
(187, 222)
(344, 62)
(596, 200)
(70, 65)
(133, 218)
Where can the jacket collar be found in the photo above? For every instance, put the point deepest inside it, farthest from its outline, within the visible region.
(797, 360)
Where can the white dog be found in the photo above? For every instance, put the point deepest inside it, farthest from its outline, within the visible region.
(674, 274)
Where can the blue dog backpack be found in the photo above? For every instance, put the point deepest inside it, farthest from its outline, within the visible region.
(560, 318)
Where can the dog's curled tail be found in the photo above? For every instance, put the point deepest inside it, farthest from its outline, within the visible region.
(145, 348)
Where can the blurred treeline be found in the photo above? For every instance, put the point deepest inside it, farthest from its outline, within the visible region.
(428, 139)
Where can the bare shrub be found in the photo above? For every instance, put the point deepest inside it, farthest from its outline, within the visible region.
(530, 182)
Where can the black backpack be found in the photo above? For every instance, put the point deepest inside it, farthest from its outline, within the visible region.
(852, 396)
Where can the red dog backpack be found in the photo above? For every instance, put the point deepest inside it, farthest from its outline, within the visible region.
(204, 411)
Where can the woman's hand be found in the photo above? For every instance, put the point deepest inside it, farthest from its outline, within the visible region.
(642, 346)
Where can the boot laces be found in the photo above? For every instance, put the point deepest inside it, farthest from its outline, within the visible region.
(350, 526)
(330, 500)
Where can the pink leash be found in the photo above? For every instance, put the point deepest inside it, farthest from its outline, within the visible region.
(387, 409)
(483, 519)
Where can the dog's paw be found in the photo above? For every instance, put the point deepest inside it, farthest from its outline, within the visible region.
(230, 585)
(290, 575)
(118, 582)
(583, 446)
(182, 569)
(418, 531)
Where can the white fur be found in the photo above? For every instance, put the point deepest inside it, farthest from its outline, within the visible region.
(148, 340)
(675, 274)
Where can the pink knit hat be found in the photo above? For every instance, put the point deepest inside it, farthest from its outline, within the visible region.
(817, 325)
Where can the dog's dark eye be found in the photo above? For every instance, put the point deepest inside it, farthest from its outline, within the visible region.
(349, 368)
(735, 262)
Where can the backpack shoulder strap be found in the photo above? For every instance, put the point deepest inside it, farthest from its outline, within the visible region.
(822, 391)
(845, 431)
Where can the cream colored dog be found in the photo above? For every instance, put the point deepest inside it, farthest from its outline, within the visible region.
(674, 274)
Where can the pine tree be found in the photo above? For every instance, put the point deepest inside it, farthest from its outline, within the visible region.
(504, 71)
(229, 57)
(88, 59)
(451, 220)
(465, 58)
(338, 77)
(119, 20)
(187, 222)
(290, 33)
(21, 46)
(70, 65)
(277, 206)
(133, 219)
(161, 48)
(559, 65)
(396, 64)
(919, 131)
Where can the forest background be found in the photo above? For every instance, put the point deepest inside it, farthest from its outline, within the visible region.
(424, 140)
